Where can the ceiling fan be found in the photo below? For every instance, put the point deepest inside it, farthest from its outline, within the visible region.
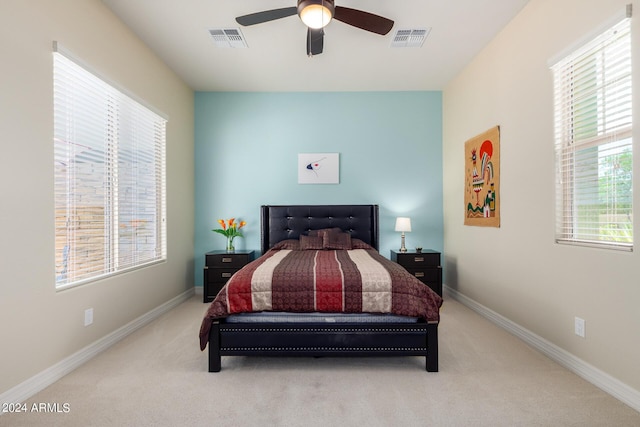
(316, 14)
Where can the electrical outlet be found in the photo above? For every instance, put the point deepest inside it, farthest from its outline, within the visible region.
(580, 327)
(88, 316)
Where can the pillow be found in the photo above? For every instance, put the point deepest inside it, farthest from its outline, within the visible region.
(359, 244)
(291, 244)
(336, 241)
(310, 242)
(322, 231)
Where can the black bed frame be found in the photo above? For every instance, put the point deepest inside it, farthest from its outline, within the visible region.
(321, 339)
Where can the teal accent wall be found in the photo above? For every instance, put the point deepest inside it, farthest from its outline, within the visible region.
(246, 155)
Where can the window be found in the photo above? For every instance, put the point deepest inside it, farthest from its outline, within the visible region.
(109, 178)
(593, 123)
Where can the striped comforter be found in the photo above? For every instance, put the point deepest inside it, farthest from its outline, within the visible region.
(342, 281)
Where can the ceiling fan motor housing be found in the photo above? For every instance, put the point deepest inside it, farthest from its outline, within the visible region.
(320, 8)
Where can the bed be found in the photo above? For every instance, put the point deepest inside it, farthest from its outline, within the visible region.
(277, 322)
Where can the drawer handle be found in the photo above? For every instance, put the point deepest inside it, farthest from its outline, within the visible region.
(226, 275)
(227, 259)
(419, 274)
(418, 259)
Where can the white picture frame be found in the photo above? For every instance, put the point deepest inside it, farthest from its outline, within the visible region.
(318, 168)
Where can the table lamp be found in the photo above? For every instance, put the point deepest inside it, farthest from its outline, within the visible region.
(403, 225)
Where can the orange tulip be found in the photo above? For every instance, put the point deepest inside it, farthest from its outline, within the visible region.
(242, 224)
(222, 224)
(231, 222)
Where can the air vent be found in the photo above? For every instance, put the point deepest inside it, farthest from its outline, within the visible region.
(228, 37)
(410, 37)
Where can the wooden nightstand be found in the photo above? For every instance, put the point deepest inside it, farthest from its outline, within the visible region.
(219, 266)
(425, 266)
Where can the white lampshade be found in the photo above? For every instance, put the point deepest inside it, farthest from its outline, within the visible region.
(403, 224)
(315, 14)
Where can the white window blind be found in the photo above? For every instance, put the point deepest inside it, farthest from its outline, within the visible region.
(109, 153)
(593, 123)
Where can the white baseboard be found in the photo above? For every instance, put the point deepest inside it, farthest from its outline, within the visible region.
(40, 381)
(595, 376)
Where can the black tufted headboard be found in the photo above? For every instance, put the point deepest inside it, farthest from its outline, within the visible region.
(289, 222)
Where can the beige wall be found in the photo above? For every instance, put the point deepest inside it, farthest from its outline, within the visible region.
(517, 270)
(39, 326)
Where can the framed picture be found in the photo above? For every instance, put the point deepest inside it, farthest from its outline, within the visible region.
(318, 168)
(482, 179)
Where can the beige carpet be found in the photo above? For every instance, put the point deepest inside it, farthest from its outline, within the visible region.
(157, 377)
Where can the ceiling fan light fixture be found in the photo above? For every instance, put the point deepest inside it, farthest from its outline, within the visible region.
(316, 14)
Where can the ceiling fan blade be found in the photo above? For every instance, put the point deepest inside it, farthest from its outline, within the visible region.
(363, 20)
(266, 16)
(315, 41)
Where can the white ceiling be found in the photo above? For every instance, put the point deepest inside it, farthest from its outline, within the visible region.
(353, 59)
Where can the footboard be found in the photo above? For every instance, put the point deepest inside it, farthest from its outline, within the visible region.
(321, 339)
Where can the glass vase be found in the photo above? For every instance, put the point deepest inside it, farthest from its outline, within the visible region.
(230, 247)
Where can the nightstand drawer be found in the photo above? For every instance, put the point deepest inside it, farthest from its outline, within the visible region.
(426, 274)
(217, 275)
(415, 260)
(227, 260)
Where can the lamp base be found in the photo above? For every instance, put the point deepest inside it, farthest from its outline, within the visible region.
(403, 248)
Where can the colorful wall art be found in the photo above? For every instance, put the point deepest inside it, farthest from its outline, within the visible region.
(482, 179)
